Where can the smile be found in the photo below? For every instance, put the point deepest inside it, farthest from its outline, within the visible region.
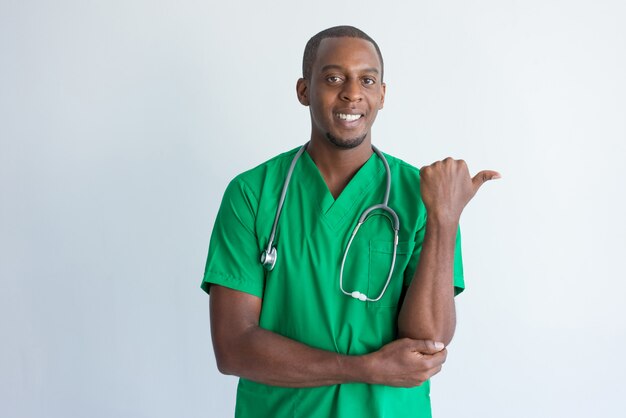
(348, 117)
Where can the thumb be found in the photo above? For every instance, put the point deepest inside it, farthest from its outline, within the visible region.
(484, 176)
(428, 346)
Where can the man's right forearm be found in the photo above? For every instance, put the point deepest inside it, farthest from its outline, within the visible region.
(266, 357)
(244, 349)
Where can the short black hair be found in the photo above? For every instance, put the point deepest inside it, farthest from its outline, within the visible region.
(310, 50)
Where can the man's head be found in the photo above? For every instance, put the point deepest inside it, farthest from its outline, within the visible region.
(310, 50)
(342, 85)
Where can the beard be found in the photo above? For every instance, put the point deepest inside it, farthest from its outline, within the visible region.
(345, 143)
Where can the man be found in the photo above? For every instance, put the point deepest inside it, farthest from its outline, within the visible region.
(328, 332)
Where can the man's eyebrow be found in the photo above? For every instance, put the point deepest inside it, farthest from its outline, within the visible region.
(339, 67)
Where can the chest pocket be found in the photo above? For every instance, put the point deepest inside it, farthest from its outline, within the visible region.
(381, 256)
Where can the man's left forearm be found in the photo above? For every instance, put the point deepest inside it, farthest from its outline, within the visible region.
(428, 310)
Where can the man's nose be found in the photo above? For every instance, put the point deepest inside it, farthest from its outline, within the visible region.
(352, 91)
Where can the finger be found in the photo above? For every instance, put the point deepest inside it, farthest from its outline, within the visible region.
(434, 371)
(435, 360)
(427, 346)
(441, 356)
(484, 176)
(426, 374)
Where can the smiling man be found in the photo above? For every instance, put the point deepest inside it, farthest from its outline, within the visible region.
(333, 267)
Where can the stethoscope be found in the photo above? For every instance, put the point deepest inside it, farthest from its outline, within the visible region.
(268, 257)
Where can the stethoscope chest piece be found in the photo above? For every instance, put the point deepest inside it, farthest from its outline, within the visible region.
(268, 259)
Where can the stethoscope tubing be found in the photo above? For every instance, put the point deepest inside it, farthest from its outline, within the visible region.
(283, 193)
(268, 257)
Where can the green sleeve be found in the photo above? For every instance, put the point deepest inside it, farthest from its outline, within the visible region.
(459, 282)
(233, 259)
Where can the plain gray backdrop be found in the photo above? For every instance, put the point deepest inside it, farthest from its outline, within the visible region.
(121, 123)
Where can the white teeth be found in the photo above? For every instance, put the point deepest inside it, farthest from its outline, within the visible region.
(347, 117)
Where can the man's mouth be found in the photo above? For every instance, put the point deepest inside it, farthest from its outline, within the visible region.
(348, 117)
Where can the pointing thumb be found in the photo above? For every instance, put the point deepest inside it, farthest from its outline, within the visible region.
(483, 176)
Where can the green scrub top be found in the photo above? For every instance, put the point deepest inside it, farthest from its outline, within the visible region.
(301, 295)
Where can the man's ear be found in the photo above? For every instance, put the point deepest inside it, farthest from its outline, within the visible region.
(302, 90)
(382, 96)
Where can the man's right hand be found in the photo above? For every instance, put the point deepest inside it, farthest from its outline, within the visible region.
(406, 362)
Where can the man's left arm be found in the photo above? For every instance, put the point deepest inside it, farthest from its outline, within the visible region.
(428, 310)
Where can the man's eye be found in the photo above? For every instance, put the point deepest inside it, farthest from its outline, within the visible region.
(333, 79)
(369, 81)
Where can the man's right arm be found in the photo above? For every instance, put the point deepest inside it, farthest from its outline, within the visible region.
(244, 349)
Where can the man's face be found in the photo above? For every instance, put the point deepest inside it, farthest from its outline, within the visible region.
(345, 91)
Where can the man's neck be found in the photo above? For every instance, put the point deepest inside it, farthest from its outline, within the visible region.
(338, 166)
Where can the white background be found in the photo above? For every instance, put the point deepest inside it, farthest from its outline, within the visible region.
(121, 122)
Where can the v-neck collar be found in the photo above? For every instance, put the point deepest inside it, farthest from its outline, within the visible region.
(335, 211)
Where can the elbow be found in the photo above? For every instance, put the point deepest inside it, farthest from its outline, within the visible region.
(226, 370)
(446, 339)
(426, 333)
(222, 365)
(231, 356)
(226, 355)
(225, 362)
